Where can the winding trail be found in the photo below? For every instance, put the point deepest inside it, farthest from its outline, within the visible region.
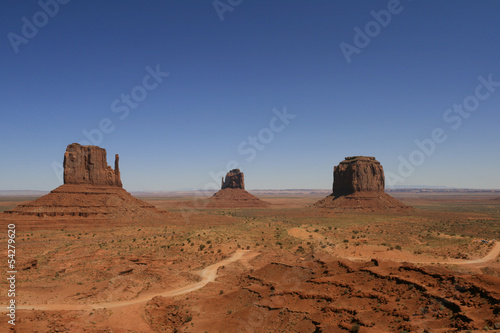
(490, 256)
(208, 274)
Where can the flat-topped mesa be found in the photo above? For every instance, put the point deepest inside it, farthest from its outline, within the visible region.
(88, 165)
(358, 185)
(234, 179)
(358, 174)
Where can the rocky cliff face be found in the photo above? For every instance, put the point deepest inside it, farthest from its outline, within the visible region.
(358, 174)
(88, 165)
(234, 179)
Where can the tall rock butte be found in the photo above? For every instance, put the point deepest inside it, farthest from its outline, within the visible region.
(358, 184)
(234, 179)
(233, 194)
(88, 165)
(91, 189)
(358, 174)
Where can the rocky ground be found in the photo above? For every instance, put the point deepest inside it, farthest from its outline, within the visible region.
(296, 268)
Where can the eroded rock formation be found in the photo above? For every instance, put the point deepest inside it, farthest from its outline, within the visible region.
(91, 189)
(88, 165)
(358, 184)
(234, 179)
(358, 174)
(233, 194)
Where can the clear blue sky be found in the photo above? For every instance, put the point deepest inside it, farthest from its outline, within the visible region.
(227, 76)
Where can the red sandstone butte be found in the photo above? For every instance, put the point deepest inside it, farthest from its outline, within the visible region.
(358, 184)
(358, 174)
(88, 165)
(233, 194)
(234, 179)
(91, 189)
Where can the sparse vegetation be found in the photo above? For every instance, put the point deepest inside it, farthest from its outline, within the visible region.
(355, 328)
(163, 257)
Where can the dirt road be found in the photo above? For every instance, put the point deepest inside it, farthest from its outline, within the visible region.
(494, 252)
(208, 274)
(492, 255)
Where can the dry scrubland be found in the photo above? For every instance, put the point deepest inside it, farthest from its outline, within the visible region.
(303, 269)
